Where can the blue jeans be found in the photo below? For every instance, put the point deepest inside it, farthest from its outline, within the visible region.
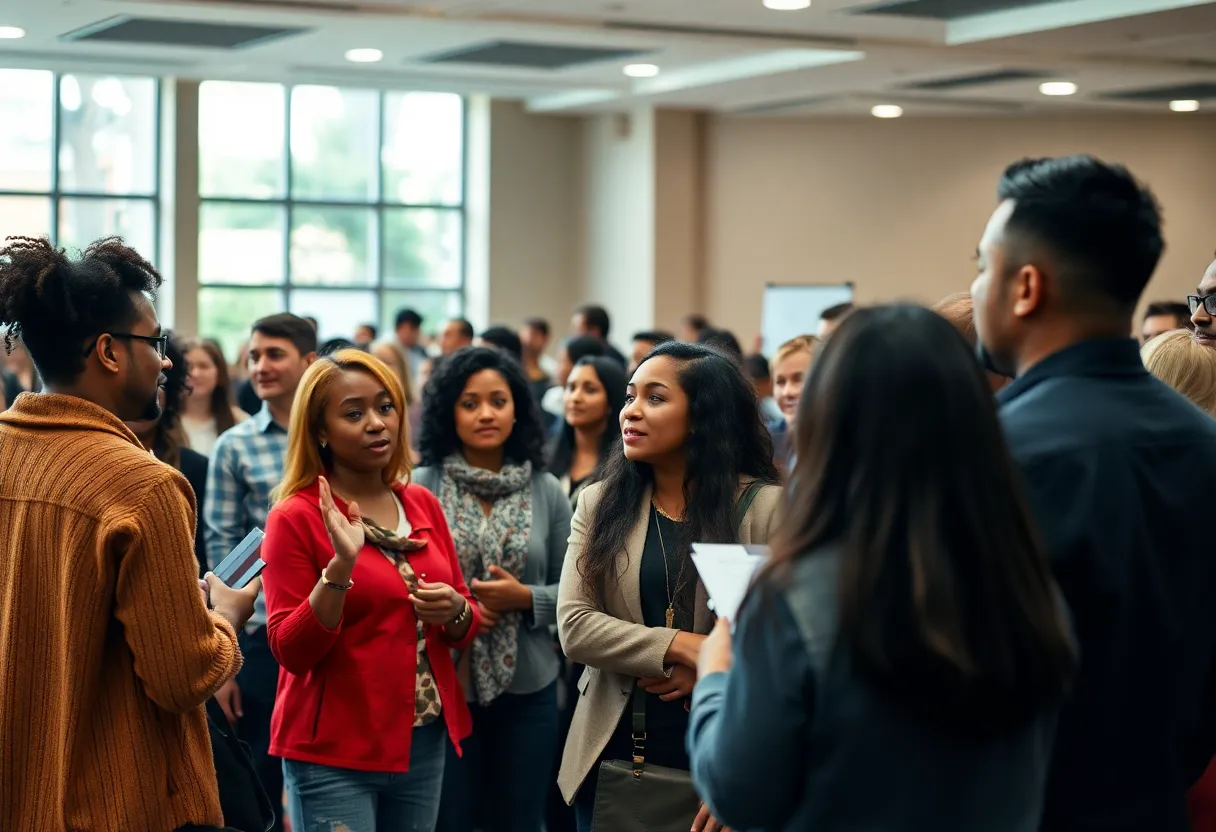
(502, 781)
(330, 799)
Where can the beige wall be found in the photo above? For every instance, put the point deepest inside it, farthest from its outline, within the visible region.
(679, 234)
(898, 206)
(535, 203)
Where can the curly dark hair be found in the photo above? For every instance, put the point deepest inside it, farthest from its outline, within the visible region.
(437, 437)
(55, 304)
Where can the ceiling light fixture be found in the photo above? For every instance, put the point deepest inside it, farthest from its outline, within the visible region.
(641, 70)
(787, 5)
(11, 32)
(886, 111)
(1058, 88)
(1184, 106)
(364, 56)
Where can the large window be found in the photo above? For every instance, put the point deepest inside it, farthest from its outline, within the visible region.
(79, 157)
(340, 204)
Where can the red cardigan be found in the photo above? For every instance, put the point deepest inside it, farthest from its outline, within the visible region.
(346, 696)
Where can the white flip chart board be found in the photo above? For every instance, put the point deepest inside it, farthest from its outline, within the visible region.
(790, 311)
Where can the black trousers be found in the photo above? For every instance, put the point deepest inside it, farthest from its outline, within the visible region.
(259, 681)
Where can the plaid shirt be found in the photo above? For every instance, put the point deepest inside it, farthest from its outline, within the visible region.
(246, 464)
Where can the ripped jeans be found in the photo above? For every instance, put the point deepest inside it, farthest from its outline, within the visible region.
(329, 799)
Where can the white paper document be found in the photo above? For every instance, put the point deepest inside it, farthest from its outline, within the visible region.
(727, 570)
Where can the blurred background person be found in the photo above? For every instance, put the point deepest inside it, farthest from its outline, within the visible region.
(408, 330)
(456, 334)
(643, 343)
(365, 336)
(1163, 316)
(538, 366)
(756, 368)
(959, 310)
(591, 429)
(391, 354)
(722, 340)
(592, 320)
(1189, 368)
(831, 318)
(365, 603)
(482, 452)
(209, 409)
(695, 465)
(571, 351)
(791, 367)
(505, 339)
(691, 327)
(907, 622)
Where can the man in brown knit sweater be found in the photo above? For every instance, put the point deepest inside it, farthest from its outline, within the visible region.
(109, 650)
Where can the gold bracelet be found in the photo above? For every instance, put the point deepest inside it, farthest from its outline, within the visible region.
(332, 585)
(463, 617)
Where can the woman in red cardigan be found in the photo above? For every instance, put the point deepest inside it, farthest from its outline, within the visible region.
(365, 602)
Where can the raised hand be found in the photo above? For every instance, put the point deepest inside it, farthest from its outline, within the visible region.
(345, 533)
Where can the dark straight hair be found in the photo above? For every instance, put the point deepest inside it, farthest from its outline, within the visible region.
(612, 377)
(728, 442)
(946, 599)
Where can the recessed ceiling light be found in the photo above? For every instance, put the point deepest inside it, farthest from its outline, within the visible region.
(364, 56)
(1184, 106)
(886, 111)
(11, 32)
(787, 5)
(641, 70)
(1058, 88)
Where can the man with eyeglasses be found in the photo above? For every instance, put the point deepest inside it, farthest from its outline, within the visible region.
(110, 652)
(1203, 308)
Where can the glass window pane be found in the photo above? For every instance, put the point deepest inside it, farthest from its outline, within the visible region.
(81, 221)
(107, 134)
(24, 216)
(338, 311)
(27, 97)
(434, 307)
(422, 247)
(227, 313)
(333, 246)
(241, 139)
(423, 150)
(241, 243)
(334, 143)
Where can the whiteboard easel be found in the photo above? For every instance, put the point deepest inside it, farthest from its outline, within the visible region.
(793, 310)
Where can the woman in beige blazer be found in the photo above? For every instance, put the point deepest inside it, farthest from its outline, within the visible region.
(630, 606)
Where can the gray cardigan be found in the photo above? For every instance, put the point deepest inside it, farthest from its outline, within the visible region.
(536, 664)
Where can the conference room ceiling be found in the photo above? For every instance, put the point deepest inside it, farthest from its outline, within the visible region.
(836, 58)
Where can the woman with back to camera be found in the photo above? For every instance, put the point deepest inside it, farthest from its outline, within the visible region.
(364, 603)
(209, 408)
(591, 431)
(695, 466)
(791, 366)
(482, 456)
(900, 663)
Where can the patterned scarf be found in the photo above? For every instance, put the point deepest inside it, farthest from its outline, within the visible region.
(427, 705)
(501, 539)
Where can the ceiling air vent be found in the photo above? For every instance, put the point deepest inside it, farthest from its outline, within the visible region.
(155, 32)
(948, 9)
(982, 79)
(1197, 91)
(523, 55)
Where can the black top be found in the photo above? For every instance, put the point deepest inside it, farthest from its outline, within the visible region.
(194, 468)
(1118, 468)
(247, 398)
(666, 722)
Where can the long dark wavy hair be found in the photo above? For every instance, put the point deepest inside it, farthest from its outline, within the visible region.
(612, 377)
(946, 599)
(437, 437)
(727, 442)
(170, 436)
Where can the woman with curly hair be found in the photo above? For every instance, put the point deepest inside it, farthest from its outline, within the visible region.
(482, 456)
(165, 437)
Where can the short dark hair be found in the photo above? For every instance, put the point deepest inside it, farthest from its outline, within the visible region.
(839, 310)
(466, 328)
(505, 339)
(292, 327)
(334, 345)
(755, 367)
(697, 322)
(583, 346)
(654, 336)
(437, 437)
(312, 322)
(1180, 311)
(596, 317)
(408, 316)
(55, 304)
(374, 330)
(1102, 225)
(539, 324)
(722, 340)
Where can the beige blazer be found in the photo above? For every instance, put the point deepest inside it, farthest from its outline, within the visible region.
(616, 646)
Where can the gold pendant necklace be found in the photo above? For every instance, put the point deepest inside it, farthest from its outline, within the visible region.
(670, 615)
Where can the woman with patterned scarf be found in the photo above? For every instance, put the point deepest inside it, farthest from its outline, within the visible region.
(481, 443)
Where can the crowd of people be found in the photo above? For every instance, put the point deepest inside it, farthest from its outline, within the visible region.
(982, 607)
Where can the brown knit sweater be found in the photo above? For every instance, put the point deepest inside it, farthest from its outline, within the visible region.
(107, 652)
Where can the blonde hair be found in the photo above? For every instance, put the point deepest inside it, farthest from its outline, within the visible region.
(306, 459)
(959, 309)
(1188, 367)
(802, 343)
(399, 365)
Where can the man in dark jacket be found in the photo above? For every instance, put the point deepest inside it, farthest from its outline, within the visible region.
(1116, 466)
